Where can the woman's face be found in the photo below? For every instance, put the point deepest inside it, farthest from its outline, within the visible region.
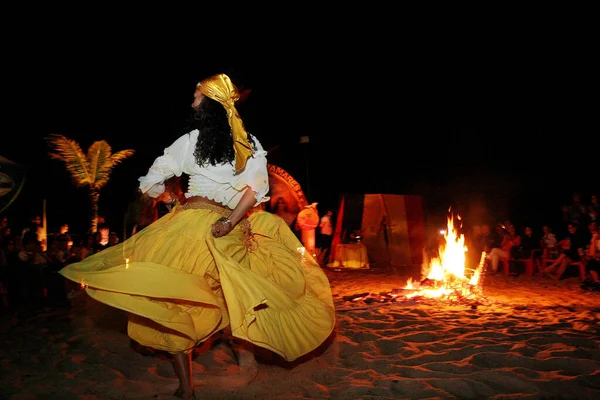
(197, 99)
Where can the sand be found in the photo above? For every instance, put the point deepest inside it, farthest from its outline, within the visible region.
(525, 337)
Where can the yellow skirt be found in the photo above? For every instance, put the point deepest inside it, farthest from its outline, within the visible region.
(180, 285)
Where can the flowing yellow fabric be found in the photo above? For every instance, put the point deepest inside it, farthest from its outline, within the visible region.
(220, 88)
(180, 285)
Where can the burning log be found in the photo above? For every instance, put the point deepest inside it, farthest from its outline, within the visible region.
(427, 283)
(355, 297)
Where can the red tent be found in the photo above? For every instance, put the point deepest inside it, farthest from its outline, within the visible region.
(392, 227)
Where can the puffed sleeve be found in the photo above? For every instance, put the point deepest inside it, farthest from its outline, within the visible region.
(255, 175)
(165, 167)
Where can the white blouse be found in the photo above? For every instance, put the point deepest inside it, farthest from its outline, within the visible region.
(216, 182)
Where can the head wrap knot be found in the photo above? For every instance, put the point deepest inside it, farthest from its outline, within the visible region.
(220, 88)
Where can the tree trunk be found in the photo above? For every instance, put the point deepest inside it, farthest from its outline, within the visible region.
(94, 196)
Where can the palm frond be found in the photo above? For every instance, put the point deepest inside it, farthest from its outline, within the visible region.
(102, 161)
(97, 154)
(70, 153)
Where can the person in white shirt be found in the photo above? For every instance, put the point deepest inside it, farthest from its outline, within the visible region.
(214, 264)
(325, 235)
(549, 244)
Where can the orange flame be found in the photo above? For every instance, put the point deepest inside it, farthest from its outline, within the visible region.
(446, 273)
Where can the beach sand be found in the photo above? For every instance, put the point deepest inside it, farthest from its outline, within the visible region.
(526, 337)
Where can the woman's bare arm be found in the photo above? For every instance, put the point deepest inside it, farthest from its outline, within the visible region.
(224, 225)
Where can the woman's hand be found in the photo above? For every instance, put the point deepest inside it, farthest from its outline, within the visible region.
(222, 227)
(225, 225)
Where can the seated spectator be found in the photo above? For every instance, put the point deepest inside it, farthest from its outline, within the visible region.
(592, 228)
(549, 243)
(502, 252)
(496, 236)
(572, 251)
(529, 247)
(593, 265)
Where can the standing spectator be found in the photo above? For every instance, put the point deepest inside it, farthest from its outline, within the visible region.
(593, 209)
(63, 232)
(325, 235)
(594, 204)
(33, 229)
(101, 238)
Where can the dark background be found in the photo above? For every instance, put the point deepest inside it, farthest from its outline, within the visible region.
(496, 132)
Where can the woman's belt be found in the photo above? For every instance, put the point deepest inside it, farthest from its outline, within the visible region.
(199, 202)
(196, 202)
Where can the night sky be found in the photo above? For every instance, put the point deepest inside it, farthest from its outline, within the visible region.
(462, 131)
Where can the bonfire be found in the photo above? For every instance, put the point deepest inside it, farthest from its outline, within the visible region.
(446, 275)
(442, 276)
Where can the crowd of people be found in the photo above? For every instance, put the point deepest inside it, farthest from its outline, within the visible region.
(30, 260)
(554, 252)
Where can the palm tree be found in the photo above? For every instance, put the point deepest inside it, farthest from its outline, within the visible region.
(92, 169)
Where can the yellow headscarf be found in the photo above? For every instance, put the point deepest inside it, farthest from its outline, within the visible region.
(220, 88)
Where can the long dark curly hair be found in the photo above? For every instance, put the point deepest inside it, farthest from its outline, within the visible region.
(215, 143)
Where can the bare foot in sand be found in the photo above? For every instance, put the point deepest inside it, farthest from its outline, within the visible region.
(185, 394)
(245, 359)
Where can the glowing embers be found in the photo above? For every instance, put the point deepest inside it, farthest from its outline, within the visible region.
(445, 275)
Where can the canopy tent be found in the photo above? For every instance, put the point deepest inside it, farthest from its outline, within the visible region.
(391, 226)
